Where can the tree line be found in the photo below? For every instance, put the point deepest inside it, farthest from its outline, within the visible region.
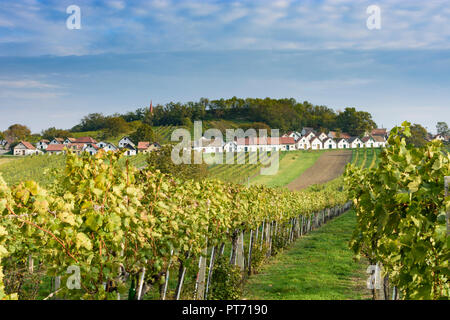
(284, 114)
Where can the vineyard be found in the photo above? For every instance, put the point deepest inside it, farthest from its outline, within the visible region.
(129, 231)
(401, 217)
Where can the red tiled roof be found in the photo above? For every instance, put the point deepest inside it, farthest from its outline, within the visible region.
(72, 139)
(379, 139)
(265, 141)
(28, 145)
(143, 145)
(379, 132)
(85, 140)
(56, 147)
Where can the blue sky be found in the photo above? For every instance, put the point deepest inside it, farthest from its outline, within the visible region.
(128, 52)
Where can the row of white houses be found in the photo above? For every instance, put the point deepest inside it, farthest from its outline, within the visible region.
(308, 139)
(285, 144)
(83, 144)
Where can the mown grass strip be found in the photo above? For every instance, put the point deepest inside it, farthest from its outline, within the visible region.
(317, 267)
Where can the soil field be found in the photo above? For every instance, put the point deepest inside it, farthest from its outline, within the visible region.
(329, 166)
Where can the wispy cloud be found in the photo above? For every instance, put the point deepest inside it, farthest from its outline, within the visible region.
(30, 27)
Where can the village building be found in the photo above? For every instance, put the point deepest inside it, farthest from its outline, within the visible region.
(25, 149)
(329, 143)
(204, 145)
(379, 132)
(55, 149)
(5, 146)
(338, 135)
(107, 146)
(293, 134)
(343, 144)
(146, 147)
(76, 148)
(380, 142)
(316, 144)
(57, 141)
(230, 146)
(355, 143)
(303, 144)
(130, 150)
(92, 149)
(369, 142)
(43, 144)
(254, 144)
(85, 140)
(323, 136)
(310, 136)
(126, 141)
(69, 141)
(439, 137)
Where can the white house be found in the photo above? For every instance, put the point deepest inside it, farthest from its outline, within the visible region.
(55, 148)
(293, 134)
(316, 144)
(43, 144)
(329, 143)
(230, 146)
(69, 141)
(355, 142)
(343, 144)
(380, 142)
(57, 141)
(310, 136)
(25, 149)
(130, 150)
(107, 146)
(369, 142)
(439, 137)
(254, 144)
(92, 149)
(323, 136)
(209, 145)
(126, 141)
(303, 144)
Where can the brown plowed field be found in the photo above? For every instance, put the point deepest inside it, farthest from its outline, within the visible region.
(329, 166)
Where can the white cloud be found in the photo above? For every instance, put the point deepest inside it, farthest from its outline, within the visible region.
(119, 5)
(218, 25)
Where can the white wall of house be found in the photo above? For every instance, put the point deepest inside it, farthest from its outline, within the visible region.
(343, 144)
(130, 152)
(54, 141)
(329, 144)
(91, 150)
(357, 143)
(124, 141)
(370, 144)
(310, 136)
(303, 144)
(21, 150)
(316, 144)
(230, 147)
(41, 145)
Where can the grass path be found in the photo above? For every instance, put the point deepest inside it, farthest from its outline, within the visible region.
(292, 165)
(318, 267)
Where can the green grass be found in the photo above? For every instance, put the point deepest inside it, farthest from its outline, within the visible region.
(319, 266)
(31, 168)
(291, 166)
